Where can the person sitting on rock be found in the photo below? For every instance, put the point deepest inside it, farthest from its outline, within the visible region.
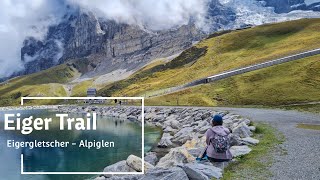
(218, 142)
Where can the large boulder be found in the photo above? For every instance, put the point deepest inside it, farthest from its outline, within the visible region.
(228, 123)
(149, 116)
(234, 140)
(125, 177)
(195, 152)
(206, 115)
(120, 166)
(176, 156)
(165, 141)
(197, 117)
(158, 118)
(203, 129)
(246, 121)
(169, 129)
(135, 163)
(239, 150)
(132, 118)
(174, 173)
(151, 157)
(173, 123)
(183, 135)
(195, 142)
(252, 128)
(203, 123)
(250, 141)
(242, 130)
(123, 116)
(198, 171)
(100, 178)
(193, 124)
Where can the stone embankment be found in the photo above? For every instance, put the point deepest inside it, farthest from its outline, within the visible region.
(9, 108)
(184, 134)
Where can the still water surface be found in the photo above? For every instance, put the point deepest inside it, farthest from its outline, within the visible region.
(126, 136)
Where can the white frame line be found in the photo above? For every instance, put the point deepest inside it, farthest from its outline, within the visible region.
(93, 173)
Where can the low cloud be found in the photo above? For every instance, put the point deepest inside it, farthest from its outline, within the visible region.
(20, 19)
(151, 14)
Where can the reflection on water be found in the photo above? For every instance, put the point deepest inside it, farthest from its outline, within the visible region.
(126, 136)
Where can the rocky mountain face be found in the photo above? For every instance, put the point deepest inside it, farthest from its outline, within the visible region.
(107, 45)
(285, 6)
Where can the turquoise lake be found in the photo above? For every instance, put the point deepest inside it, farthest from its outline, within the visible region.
(125, 134)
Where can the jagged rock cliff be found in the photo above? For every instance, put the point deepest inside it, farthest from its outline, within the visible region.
(107, 45)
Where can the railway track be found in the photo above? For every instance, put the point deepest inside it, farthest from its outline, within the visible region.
(234, 72)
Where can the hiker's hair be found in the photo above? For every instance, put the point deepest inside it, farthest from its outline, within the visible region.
(217, 123)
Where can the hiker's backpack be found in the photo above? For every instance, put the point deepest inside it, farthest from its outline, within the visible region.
(220, 143)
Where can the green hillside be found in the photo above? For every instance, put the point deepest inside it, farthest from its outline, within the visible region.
(221, 52)
(289, 83)
(44, 83)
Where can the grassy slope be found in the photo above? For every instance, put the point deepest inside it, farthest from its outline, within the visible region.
(225, 52)
(44, 83)
(309, 126)
(314, 108)
(80, 89)
(293, 82)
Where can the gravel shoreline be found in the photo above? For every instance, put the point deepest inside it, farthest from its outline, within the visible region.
(9, 108)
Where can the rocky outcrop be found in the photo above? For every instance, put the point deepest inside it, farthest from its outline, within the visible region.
(136, 163)
(174, 173)
(242, 130)
(105, 45)
(237, 151)
(165, 141)
(198, 171)
(250, 141)
(186, 142)
(151, 157)
(175, 157)
(183, 135)
(101, 46)
(120, 166)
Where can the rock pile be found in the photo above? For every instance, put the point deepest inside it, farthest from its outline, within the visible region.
(184, 133)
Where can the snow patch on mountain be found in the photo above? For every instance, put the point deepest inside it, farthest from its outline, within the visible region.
(308, 2)
(254, 13)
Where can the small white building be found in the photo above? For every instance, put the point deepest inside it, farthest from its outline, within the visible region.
(91, 92)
